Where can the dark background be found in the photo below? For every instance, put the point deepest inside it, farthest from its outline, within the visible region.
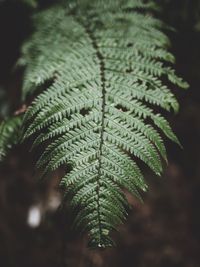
(162, 232)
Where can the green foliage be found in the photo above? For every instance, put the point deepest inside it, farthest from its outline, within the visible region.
(10, 134)
(4, 105)
(105, 70)
(184, 12)
(32, 3)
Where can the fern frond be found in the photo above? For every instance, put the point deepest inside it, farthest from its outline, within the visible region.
(104, 65)
(10, 134)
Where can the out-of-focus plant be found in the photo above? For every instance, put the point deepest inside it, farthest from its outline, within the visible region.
(183, 11)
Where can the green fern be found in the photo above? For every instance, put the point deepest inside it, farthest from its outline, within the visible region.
(104, 64)
(10, 134)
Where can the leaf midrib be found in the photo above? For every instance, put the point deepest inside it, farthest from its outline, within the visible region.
(99, 56)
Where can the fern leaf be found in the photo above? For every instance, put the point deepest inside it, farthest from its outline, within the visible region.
(10, 134)
(104, 65)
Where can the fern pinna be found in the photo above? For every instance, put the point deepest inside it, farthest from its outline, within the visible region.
(105, 65)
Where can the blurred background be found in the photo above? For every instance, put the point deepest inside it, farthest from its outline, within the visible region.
(35, 229)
